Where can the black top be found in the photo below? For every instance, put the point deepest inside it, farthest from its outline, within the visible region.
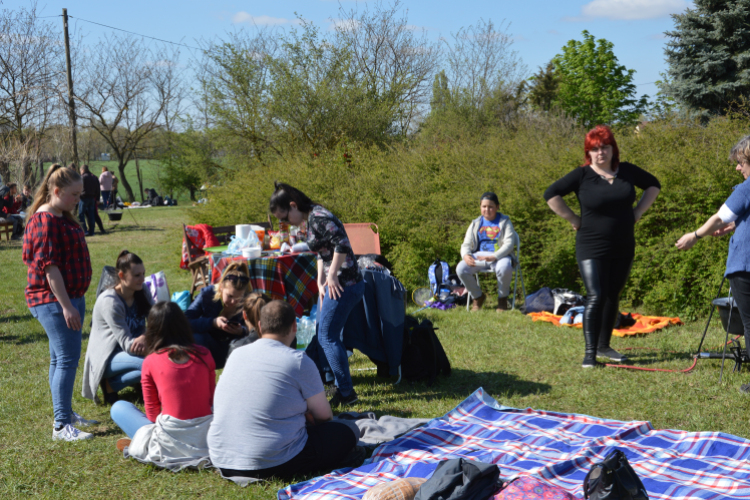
(91, 190)
(606, 209)
(326, 235)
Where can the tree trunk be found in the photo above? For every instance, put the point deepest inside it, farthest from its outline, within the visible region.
(140, 179)
(4, 172)
(41, 171)
(124, 181)
(192, 193)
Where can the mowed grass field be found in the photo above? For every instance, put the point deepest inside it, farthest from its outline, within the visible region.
(520, 363)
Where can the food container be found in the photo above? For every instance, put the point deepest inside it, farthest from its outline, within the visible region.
(251, 252)
(242, 231)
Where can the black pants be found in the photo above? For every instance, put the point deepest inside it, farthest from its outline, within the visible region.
(327, 445)
(740, 283)
(604, 280)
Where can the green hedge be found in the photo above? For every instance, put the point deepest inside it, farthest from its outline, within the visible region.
(422, 196)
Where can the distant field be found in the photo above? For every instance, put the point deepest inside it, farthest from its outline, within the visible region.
(150, 170)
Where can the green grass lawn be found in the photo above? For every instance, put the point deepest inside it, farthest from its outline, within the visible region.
(520, 363)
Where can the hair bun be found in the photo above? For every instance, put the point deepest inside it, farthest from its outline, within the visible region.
(123, 253)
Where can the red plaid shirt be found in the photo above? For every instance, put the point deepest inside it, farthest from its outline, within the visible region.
(55, 241)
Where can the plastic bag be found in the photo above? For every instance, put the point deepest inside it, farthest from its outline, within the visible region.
(182, 299)
(237, 244)
(157, 287)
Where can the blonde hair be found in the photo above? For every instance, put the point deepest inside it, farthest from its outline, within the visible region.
(233, 269)
(252, 306)
(57, 177)
(741, 151)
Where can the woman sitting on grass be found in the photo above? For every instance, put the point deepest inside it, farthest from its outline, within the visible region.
(117, 343)
(178, 379)
(251, 315)
(216, 314)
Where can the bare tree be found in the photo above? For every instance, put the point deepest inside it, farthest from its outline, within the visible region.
(30, 71)
(123, 94)
(396, 60)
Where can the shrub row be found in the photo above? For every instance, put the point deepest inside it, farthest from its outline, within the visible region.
(423, 194)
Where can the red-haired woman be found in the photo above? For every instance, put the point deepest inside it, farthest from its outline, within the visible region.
(605, 241)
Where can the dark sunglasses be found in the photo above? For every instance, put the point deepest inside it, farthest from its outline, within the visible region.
(237, 279)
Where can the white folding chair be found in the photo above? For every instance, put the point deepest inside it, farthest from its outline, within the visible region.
(517, 275)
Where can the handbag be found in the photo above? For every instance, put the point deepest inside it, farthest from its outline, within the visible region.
(613, 479)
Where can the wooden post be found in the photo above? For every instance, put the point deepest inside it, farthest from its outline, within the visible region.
(140, 180)
(71, 102)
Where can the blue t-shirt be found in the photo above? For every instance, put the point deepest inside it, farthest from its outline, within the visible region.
(136, 322)
(489, 233)
(739, 246)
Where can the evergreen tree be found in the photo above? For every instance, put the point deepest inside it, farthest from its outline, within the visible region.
(709, 55)
(544, 86)
(593, 87)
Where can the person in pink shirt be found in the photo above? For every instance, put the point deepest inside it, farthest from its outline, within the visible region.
(178, 378)
(105, 184)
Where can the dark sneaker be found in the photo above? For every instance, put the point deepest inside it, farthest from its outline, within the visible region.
(354, 458)
(590, 362)
(610, 354)
(745, 388)
(339, 399)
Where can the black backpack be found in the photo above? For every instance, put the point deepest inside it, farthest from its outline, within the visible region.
(423, 356)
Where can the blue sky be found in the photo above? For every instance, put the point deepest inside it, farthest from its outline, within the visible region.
(540, 27)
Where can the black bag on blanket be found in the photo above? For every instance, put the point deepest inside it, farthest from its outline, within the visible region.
(613, 479)
(461, 479)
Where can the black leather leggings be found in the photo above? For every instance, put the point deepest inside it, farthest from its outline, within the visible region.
(604, 280)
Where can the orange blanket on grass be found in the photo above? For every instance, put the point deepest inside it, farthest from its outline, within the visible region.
(643, 324)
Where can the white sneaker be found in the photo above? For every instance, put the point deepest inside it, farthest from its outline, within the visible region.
(70, 433)
(82, 422)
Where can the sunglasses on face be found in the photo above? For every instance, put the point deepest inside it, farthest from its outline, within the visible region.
(237, 279)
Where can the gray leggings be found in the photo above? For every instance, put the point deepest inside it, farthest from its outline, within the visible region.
(503, 269)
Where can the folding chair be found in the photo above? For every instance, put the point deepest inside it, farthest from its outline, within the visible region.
(364, 237)
(517, 274)
(197, 263)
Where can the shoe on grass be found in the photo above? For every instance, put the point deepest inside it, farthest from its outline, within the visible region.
(355, 458)
(589, 361)
(69, 433)
(745, 388)
(478, 303)
(79, 421)
(339, 399)
(610, 354)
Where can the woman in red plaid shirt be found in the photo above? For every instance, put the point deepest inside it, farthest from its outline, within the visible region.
(55, 251)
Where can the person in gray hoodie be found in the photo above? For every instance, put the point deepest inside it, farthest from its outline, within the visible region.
(488, 247)
(117, 343)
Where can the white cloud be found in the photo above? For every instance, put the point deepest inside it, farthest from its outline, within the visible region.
(343, 24)
(633, 9)
(244, 17)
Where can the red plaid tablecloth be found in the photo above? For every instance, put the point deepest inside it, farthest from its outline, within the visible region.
(290, 277)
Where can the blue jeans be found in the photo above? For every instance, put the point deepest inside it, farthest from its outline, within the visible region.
(64, 353)
(331, 320)
(128, 417)
(105, 198)
(87, 213)
(123, 370)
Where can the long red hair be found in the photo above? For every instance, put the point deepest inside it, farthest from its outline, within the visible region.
(601, 135)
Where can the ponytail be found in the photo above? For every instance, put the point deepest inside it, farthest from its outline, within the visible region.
(57, 177)
(125, 261)
(252, 306)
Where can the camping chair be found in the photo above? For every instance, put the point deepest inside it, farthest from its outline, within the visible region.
(364, 237)
(517, 274)
(197, 263)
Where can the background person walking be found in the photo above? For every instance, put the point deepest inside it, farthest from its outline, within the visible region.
(605, 239)
(55, 251)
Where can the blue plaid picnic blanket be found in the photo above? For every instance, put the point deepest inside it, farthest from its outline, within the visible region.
(558, 448)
